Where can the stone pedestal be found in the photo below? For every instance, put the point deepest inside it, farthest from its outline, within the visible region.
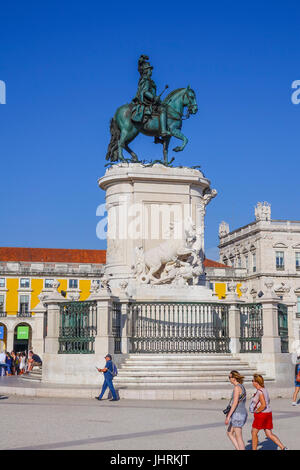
(147, 207)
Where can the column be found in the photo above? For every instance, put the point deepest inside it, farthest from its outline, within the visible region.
(38, 338)
(104, 341)
(271, 342)
(234, 328)
(10, 339)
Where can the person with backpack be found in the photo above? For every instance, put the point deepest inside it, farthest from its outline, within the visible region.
(109, 371)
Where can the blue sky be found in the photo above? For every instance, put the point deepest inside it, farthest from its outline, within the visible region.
(69, 65)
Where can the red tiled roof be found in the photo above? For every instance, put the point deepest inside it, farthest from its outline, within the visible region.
(60, 255)
(209, 263)
(52, 255)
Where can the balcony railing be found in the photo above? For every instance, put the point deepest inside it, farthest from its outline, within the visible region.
(24, 314)
(3, 314)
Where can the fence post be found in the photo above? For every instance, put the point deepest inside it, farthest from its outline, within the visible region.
(38, 344)
(52, 301)
(271, 342)
(104, 341)
(234, 328)
(234, 318)
(293, 326)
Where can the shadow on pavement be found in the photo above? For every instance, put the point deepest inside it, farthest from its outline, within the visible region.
(267, 444)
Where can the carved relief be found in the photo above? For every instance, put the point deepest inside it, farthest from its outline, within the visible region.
(175, 262)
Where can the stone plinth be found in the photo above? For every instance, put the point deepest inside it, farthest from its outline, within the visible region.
(147, 207)
(179, 294)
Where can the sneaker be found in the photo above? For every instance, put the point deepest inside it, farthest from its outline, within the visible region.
(97, 398)
(294, 403)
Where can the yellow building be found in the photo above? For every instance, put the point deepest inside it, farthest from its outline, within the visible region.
(26, 272)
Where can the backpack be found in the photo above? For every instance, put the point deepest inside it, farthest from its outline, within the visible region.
(114, 372)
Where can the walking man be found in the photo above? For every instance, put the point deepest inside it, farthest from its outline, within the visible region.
(108, 372)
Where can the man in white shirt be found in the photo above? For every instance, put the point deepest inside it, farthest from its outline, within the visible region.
(2, 363)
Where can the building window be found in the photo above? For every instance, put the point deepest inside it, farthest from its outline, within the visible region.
(239, 262)
(24, 304)
(280, 260)
(73, 283)
(254, 262)
(298, 260)
(298, 306)
(24, 283)
(49, 283)
(246, 262)
(1, 304)
(2, 282)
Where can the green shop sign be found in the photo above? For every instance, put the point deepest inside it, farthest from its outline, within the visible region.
(23, 332)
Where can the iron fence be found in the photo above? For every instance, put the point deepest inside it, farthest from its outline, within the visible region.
(251, 332)
(77, 327)
(116, 327)
(283, 331)
(163, 327)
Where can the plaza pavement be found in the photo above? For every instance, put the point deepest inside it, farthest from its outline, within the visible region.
(86, 424)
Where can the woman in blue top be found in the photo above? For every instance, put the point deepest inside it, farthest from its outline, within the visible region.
(297, 382)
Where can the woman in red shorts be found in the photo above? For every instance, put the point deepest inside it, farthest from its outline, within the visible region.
(262, 413)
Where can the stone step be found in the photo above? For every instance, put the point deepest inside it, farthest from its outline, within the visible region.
(183, 364)
(34, 376)
(143, 383)
(145, 371)
(164, 373)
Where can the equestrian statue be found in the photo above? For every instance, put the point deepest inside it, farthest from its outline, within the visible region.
(151, 116)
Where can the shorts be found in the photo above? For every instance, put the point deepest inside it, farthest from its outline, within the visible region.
(297, 384)
(263, 421)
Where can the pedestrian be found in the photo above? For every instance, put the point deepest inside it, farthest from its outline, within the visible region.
(9, 363)
(3, 365)
(22, 363)
(237, 415)
(108, 372)
(33, 360)
(263, 419)
(14, 363)
(297, 381)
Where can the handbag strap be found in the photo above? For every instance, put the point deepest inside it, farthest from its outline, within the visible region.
(241, 397)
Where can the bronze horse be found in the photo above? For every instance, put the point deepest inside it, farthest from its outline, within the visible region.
(124, 130)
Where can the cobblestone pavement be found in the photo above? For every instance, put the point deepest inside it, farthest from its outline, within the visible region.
(59, 423)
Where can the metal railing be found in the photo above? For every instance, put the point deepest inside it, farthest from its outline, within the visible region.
(251, 329)
(181, 327)
(116, 327)
(283, 331)
(24, 314)
(77, 327)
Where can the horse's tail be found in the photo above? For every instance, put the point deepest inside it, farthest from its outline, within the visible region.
(112, 151)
